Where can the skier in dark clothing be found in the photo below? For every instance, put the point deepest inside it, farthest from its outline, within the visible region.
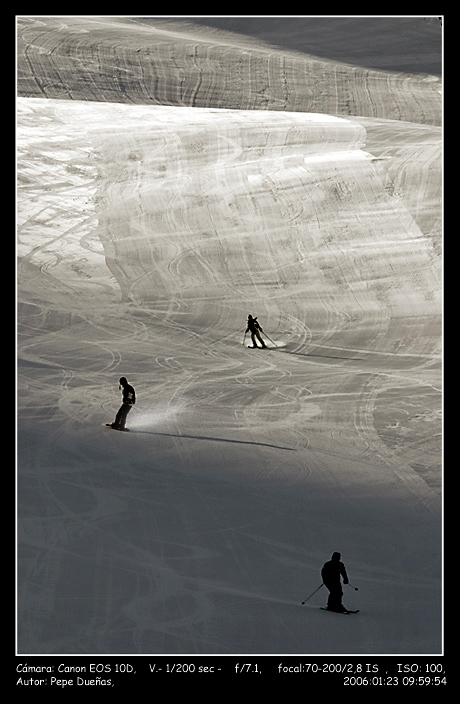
(129, 399)
(331, 573)
(254, 328)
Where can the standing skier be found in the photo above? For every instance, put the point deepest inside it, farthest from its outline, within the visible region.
(128, 401)
(331, 573)
(255, 330)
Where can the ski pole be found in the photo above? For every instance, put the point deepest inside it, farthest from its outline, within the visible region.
(244, 338)
(309, 597)
(350, 585)
(270, 338)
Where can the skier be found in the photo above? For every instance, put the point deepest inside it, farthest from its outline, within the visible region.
(128, 401)
(331, 573)
(254, 327)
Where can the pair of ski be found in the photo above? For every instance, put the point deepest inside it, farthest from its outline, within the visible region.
(347, 611)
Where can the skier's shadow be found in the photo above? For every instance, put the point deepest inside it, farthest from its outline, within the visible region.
(203, 437)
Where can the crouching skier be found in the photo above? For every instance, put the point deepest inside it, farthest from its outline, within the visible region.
(128, 401)
(331, 573)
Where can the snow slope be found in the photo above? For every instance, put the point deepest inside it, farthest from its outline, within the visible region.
(146, 234)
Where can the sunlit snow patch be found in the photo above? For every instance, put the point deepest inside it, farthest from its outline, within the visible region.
(156, 415)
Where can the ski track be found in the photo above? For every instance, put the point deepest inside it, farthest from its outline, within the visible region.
(146, 234)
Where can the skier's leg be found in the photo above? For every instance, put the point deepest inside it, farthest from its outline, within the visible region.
(260, 339)
(118, 418)
(334, 602)
(125, 409)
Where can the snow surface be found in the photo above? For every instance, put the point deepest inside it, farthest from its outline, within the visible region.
(146, 234)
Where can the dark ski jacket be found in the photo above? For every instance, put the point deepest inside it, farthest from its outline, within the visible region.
(332, 571)
(129, 395)
(253, 325)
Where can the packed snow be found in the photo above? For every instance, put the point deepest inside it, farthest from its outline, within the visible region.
(147, 232)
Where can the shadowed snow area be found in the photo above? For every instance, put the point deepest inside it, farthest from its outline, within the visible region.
(172, 179)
